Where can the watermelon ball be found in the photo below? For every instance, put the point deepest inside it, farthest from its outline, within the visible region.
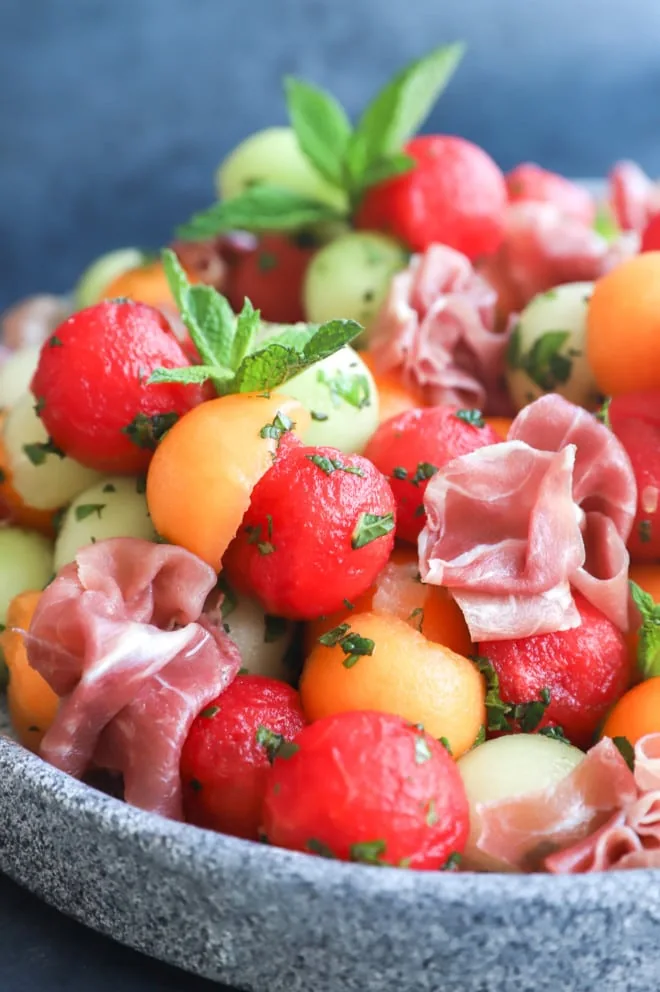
(368, 787)
(319, 528)
(225, 758)
(454, 195)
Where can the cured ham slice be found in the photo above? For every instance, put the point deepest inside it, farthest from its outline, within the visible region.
(543, 248)
(512, 528)
(521, 832)
(436, 331)
(120, 638)
(634, 197)
(630, 838)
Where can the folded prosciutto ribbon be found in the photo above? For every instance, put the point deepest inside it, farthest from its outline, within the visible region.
(120, 636)
(436, 331)
(513, 529)
(600, 817)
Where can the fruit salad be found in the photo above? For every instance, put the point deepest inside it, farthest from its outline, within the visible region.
(334, 523)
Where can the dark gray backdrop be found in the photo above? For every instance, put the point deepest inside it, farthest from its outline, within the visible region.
(114, 113)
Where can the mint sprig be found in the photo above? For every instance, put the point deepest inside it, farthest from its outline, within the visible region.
(648, 646)
(351, 158)
(227, 344)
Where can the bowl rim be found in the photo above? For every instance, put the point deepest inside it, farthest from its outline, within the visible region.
(171, 844)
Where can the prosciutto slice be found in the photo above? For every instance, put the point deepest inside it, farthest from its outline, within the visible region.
(522, 831)
(543, 248)
(436, 331)
(120, 638)
(634, 197)
(512, 528)
(630, 837)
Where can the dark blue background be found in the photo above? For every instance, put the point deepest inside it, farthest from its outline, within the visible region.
(113, 115)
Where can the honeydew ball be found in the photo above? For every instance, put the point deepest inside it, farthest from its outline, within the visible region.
(26, 562)
(45, 480)
(342, 398)
(263, 641)
(16, 375)
(102, 272)
(273, 157)
(114, 506)
(547, 351)
(350, 277)
(508, 767)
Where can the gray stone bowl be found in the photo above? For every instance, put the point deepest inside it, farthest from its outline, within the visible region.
(268, 920)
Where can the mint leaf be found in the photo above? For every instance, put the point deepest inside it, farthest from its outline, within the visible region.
(329, 338)
(207, 315)
(370, 527)
(648, 649)
(247, 325)
(321, 126)
(401, 107)
(259, 208)
(626, 750)
(191, 374)
(386, 168)
(544, 365)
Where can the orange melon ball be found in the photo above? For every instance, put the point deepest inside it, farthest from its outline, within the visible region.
(405, 674)
(204, 470)
(636, 714)
(145, 283)
(393, 396)
(623, 327)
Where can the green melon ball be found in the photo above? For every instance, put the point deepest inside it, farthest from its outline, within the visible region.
(89, 288)
(547, 352)
(16, 375)
(26, 563)
(273, 157)
(262, 640)
(44, 479)
(507, 767)
(115, 506)
(342, 398)
(350, 277)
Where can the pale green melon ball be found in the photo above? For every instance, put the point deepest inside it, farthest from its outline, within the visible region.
(26, 563)
(92, 283)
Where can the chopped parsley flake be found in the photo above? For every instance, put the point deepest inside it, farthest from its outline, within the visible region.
(39, 405)
(423, 472)
(445, 743)
(279, 426)
(371, 526)
(54, 341)
(645, 531)
(146, 432)
(626, 750)
(317, 415)
(368, 852)
(399, 472)
(196, 785)
(210, 711)
(88, 509)
(473, 417)
(330, 465)
(352, 644)
(39, 451)
(352, 389)
(318, 847)
(417, 616)
(452, 863)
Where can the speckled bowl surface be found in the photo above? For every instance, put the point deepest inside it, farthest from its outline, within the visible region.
(272, 921)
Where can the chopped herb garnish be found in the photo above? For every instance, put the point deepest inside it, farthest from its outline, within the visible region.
(39, 405)
(274, 628)
(280, 425)
(141, 485)
(555, 734)
(58, 519)
(196, 785)
(254, 537)
(473, 417)
(54, 341)
(266, 261)
(270, 740)
(371, 526)
(507, 717)
(352, 389)
(88, 509)
(645, 531)
(626, 750)
(417, 616)
(39, 451)
(229, 598)
(287, 750)
(453, 862)
(244, 671)
(431, 813)
(369, 852)
(349, 605)
(210, 711)
(529, 715)
(266, 548)
(423, 472)
(419, 511)
(330, 465)
(603, 414)
(147, 432)
(109, 488)
(317, 415)
(398, 472)
(318, 847)
(648, 644)
(334, 636)
(445, 743)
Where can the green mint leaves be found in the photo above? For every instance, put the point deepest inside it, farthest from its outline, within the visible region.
(648, 649)
(351, 158)
(226, 342)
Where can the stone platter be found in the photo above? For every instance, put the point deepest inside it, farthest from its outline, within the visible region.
(267, 920)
